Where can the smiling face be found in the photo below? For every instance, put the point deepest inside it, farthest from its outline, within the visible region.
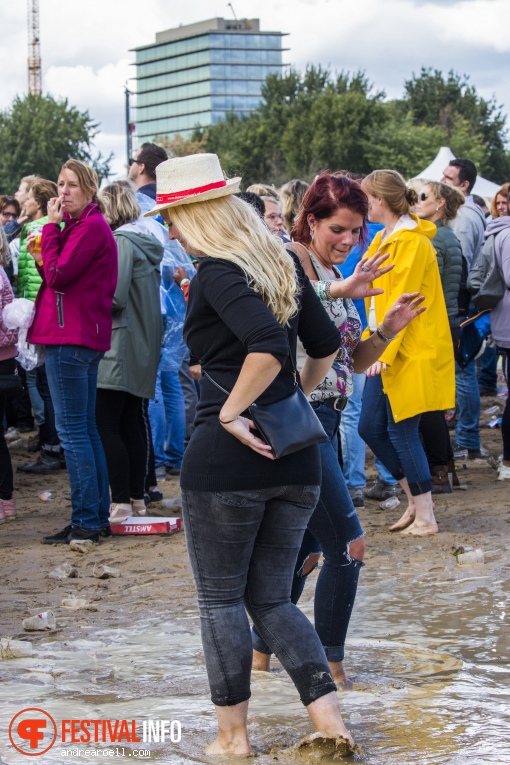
(74, 199)
(428, 207)
(334, 237)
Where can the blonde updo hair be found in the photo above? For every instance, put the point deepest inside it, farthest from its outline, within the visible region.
(119, 204)
(390, 186)
(230, 229)
(291, 198)
(453, 198)
(264, 190)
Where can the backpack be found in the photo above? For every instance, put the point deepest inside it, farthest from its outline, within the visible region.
(485, 281)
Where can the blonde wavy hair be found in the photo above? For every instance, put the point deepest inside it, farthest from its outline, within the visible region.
(453, 198)
(229, 229)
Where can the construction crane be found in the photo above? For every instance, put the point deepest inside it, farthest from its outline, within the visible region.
(34, 50)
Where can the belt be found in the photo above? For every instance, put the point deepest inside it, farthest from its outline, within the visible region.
(338, 403)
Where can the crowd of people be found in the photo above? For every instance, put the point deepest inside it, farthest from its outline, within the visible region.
(169, 306)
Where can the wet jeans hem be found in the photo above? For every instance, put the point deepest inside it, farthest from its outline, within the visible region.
(420, 488)
(230, 701)
(335, 652)
(317, 692)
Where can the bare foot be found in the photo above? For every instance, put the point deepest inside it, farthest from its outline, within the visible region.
(421, 529)
(261, 661)
(223, 745)
(343, 682)
(406, 520)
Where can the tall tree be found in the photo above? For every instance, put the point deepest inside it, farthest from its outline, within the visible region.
(38, 134)
(453, 104)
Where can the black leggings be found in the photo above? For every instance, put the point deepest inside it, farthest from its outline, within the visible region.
(121, 426)
(6, 481)
(436, 438)
(505, 425)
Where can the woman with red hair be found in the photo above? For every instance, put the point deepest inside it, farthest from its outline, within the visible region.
(330, 223)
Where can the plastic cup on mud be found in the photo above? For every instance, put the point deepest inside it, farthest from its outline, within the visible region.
(46, 496)
(471, 557)
(390, 504)
(43, 621)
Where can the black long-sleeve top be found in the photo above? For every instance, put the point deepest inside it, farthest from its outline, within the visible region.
(226, 320)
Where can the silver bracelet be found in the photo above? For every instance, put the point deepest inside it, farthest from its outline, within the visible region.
(383, 337)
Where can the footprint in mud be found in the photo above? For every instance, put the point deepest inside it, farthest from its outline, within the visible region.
(324, 747)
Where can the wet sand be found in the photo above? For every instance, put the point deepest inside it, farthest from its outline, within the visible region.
(428, 647)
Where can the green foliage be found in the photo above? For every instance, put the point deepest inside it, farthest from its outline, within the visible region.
(314, 121)
(38, 134)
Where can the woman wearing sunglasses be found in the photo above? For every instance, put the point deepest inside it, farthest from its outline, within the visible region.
(439, 204)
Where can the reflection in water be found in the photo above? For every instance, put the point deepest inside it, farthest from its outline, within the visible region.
(429, 660)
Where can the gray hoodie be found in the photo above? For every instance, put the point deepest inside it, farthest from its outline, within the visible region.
(500, 315)
(469, 228)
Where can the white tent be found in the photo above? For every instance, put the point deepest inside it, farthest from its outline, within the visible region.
(434, 172)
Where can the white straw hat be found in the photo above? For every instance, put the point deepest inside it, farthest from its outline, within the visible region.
(183, 180)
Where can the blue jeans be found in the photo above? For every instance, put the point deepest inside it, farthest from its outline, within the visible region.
(72, 379)
(353, 446)
(331, 528)
(167, 416)
(243, 548)
(35, 396)
(467, 432)
(488, 370)
(397, 444)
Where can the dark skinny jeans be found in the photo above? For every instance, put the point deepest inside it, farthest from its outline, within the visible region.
(6, 477)
(243, 548)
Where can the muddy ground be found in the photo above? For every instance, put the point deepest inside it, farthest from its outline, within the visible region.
(428, 646)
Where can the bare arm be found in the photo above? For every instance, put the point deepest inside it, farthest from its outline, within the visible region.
(314, 371)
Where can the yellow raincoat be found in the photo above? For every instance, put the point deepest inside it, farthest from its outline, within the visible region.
(420, 373)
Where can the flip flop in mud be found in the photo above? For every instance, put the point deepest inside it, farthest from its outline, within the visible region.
(326, 746)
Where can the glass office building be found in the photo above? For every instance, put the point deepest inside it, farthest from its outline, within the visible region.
(196, 74)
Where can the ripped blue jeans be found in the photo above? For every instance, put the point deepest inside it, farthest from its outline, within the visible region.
(333, 525)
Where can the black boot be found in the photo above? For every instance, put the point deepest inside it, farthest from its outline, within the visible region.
(48, 462)
(71, 533)
(440, 480)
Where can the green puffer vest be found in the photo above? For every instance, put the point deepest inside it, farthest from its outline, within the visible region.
(449, 260)
(29, 280)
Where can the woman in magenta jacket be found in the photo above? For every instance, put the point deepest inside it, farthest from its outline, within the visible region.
(78, 264)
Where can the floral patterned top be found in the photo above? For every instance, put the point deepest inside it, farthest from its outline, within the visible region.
(343, 313)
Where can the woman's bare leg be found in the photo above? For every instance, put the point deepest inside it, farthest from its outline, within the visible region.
(326, 717)
(232, 735)
(424, 522)
(410, 511)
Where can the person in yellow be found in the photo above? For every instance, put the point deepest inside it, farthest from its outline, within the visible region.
(416, 372)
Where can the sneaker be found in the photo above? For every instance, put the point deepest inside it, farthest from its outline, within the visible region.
(161, 473)
(173, 471)
(48, 462)
(105, 532)
(504, 473)
(62, 537)
(357, 496)
(155, 495)
(119, 511)
(138, 507)
(8, 508)
(463, 453)
(381, 491)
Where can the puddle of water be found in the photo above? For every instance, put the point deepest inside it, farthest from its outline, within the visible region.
(430, 665)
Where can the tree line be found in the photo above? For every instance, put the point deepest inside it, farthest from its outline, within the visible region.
(313, 120)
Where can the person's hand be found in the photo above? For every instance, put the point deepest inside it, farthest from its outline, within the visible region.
(195, 371)
(240, 428)
(376, 369)
(401, 313)
(30, 242)
(55, 210)
(180, 274)
(367, 270)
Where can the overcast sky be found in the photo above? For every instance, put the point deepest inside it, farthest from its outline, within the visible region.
(85, 45)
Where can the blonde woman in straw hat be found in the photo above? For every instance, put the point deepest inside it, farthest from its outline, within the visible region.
(244, 511)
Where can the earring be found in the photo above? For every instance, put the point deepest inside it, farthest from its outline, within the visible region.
(437, 209)
(311, 234)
